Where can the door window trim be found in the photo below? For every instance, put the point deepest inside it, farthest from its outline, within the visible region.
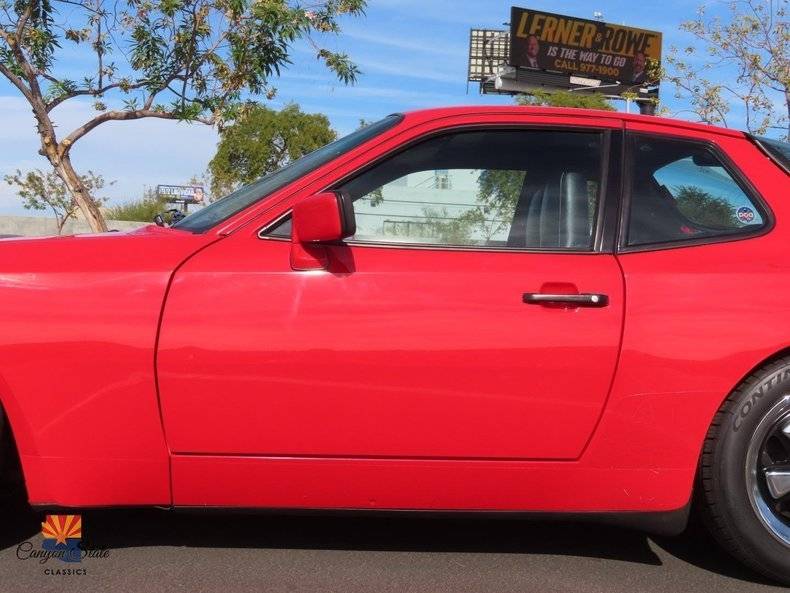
(729, 166)
(605, 221)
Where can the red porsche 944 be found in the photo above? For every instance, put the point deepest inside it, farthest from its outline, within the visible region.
(493, 309)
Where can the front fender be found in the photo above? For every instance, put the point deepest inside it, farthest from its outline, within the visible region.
(77, 341)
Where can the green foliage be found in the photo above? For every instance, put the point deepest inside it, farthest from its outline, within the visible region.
(566, 99)
(142, 210)
(203, 55)
(186, 60)
(46, 191)
(448, 230)
(702, 208)
(497, 200)
(262, 141)
(377, 195)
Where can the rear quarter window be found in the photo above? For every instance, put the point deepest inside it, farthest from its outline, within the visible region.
(684, 191)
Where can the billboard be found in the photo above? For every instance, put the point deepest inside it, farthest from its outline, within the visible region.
(582, 47)
(177, 193)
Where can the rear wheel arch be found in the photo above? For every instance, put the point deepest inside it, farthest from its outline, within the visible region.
(725, 402)
(778, 355)
(16, 442)
(723, 492)
(10, 462)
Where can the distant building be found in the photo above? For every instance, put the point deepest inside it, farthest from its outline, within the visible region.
(423, 206)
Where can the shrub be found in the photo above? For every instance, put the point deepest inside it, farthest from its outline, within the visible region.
(142, 210)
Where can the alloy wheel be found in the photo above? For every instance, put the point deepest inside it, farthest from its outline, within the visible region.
(768, 471)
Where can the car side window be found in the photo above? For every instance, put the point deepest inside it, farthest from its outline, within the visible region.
(520, 189)
(681, 190)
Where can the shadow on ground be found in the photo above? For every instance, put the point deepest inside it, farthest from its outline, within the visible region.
(132, 528)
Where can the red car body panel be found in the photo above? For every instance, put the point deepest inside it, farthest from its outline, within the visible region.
(203, 370)
(390, 354)
(80, 319)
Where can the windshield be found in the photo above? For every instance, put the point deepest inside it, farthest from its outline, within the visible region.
(245, 196)
(779, 151)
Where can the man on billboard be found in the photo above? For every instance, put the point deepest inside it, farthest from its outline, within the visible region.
(533, 49)
(640, 61)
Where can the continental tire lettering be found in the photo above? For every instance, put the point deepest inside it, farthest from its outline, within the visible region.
(743, 412)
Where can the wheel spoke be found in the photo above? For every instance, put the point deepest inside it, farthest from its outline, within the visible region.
(784, 436)
(768, 462)
(778, 481)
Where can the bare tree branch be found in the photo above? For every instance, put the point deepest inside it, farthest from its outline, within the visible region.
(93, 92)
(16, 81)
(81, 131)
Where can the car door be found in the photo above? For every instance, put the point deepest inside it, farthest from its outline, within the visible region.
(475, 315)
(698, 258)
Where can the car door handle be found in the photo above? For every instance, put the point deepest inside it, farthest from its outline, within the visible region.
(576, 300)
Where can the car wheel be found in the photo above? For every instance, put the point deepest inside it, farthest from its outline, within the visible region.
(744, 477)
(3, 448)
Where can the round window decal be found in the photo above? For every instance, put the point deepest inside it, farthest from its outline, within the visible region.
(745, 215)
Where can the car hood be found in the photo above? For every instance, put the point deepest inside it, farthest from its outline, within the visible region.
(147, 248)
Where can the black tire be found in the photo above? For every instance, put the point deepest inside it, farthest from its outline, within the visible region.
(727, 487)
(3, 445)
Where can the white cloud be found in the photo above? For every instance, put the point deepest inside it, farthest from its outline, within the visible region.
(445, 49)
(413, 69)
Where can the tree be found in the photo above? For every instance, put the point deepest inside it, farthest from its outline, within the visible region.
(497, 198)
(376, 196)
(447, 229)
(705, 209)
(47, 191)
(748, 65)
(262, 141)
(566, 99)
(186, 60)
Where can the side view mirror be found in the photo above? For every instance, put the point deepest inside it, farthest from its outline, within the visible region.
(322, 218)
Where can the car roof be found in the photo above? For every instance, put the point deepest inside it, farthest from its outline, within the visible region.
(434, 113)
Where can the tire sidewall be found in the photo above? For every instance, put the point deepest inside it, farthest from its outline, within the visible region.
(730, 460)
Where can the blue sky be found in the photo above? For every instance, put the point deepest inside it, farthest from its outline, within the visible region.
(413, 54)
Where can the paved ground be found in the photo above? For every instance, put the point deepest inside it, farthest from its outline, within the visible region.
(162, 551)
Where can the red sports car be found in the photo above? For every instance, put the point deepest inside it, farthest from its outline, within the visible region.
(507, 309)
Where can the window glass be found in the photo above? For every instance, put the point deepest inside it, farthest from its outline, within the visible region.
(779, 151)
(681, 190)
(226, 207)
(534, 189)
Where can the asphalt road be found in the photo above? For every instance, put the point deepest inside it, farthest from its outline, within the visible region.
(149, 550)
